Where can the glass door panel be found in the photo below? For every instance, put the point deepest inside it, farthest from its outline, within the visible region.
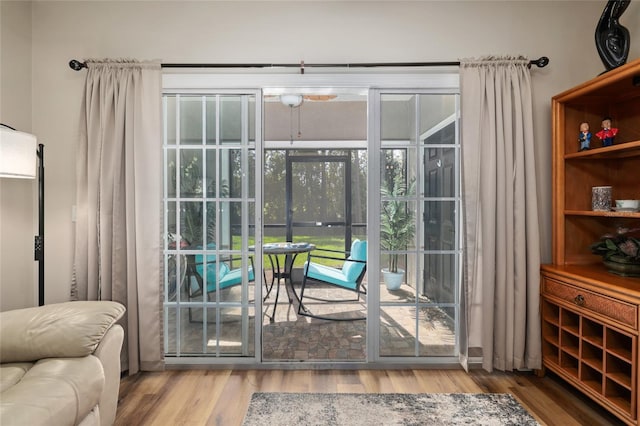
(419, 225)
(210, 290)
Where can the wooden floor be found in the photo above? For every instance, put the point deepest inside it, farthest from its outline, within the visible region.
(221, 397)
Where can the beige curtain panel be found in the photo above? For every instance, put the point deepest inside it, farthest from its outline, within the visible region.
(119, 200)
(502, 246)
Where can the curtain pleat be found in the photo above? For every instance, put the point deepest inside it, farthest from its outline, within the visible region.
(501, 237)
(119, 190)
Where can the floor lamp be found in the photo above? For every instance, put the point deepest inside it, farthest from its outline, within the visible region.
(18, 152)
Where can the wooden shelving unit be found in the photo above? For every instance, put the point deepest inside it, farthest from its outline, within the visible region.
(590, 317)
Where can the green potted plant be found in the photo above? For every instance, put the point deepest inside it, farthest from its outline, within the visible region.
(397, 226)
(620, 251)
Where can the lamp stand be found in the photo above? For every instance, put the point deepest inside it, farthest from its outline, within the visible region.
(39, 239)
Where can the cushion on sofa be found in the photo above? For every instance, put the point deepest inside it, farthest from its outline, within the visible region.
(58, 391)
(69, 329)
(10, 374)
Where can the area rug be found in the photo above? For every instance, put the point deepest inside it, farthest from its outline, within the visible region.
(310, 409)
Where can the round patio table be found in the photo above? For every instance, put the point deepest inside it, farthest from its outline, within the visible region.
(282, 271)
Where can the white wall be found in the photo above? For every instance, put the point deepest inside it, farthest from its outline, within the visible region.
(240, 31)
(18, 207)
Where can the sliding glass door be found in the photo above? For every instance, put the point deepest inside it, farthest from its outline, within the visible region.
(244, 168)
(419, 205)
(210, 180)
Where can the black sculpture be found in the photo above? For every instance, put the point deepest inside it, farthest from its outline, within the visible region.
(612, 39)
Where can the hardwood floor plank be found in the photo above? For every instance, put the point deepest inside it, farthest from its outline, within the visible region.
(446, 381)
(370, 382)
(549, 399)
(221, 397)
(232, 402)
(349, 382)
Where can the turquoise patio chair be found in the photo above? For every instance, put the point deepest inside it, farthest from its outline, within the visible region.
(216, 270)
(348, 277)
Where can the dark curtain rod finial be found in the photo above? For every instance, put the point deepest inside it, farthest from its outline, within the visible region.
(541, 62)
(77, 65)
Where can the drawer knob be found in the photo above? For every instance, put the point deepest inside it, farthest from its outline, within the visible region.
(579, 299)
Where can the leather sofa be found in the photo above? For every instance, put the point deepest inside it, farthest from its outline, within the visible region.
(60, 364)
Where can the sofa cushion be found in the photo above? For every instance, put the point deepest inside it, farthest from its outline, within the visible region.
(70, 329)
(10, 374)
(59, 391)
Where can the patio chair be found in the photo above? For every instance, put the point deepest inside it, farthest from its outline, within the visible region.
(215, 269)
(348, 277)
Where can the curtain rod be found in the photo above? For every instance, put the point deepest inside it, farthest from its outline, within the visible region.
(541, 62)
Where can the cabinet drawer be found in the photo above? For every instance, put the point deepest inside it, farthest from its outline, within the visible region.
(616, 310)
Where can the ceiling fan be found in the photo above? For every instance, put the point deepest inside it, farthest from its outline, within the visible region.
(294, 100)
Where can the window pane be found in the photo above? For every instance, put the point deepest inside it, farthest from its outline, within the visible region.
(210, 230)
(171, 177)
(359, 190)
(274, 184)
(397, 118)
(211, 173)
(231, 173)
(171, 345)
(170, 121)
(439, 278)
(437, 126)
(233, 326)
(439, 225)
(190, 173)
(210, 114)
(176, 276)
(397, 225)
(440, 172)
(230, 119)
(252, 120)
(250, 172)
(192, 331)
(191, 120)
(234, 270)
(398, 331)
(230, 225)
(436, 331)
(171, 220)
(396, 172)
(191, 222)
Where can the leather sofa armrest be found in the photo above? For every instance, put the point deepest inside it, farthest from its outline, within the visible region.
(108, 352)
(69, 329)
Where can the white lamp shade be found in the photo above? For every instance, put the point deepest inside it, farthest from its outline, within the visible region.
(18, 152)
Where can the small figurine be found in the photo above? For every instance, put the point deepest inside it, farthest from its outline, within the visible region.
(584, 137)
(608, 133)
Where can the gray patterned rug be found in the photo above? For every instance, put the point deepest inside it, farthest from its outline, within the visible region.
(307, 409)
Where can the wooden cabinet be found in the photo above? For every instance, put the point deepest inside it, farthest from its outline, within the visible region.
(590, 317)
(590, 337)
